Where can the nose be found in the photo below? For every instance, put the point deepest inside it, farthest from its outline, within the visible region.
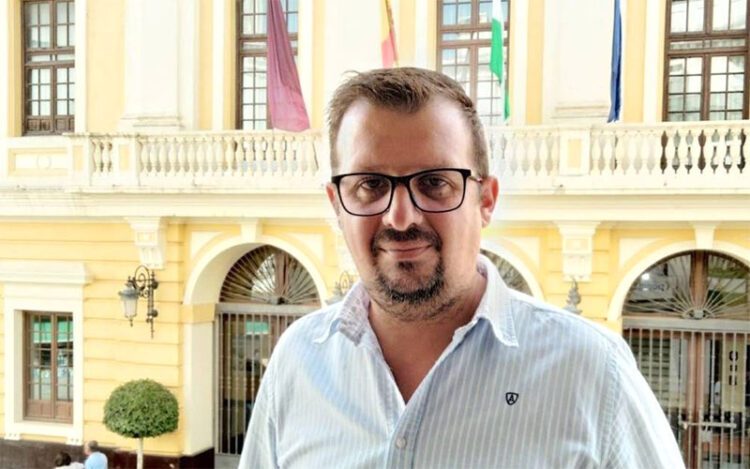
(402, 213)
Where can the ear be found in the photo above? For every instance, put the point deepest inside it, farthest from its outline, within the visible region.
(489, 195)
(333, 198)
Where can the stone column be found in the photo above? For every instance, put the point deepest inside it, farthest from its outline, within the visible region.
(161, 57)
(577, 60)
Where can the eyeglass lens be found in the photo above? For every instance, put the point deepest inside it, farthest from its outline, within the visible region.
(432, 191)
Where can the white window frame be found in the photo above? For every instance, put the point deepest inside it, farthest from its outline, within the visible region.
(54, 286)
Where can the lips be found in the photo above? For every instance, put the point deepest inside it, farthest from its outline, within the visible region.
(404, 245)
(405, 251)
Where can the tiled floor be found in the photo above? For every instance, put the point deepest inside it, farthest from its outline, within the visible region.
(226, 462)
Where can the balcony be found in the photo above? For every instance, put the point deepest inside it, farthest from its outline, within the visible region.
(538, 166)
(663, 157)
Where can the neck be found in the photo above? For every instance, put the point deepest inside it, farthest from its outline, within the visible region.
(411, 346)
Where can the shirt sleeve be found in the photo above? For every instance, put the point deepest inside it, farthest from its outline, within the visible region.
(259, 448)
(639, 435)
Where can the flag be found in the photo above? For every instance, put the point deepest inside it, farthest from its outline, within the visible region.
(497, 55)
(387, 35)
(615, 80)
(285, 102)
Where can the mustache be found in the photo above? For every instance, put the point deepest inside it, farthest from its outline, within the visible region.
(413, 233)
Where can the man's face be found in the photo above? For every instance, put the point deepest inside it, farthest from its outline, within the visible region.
(406, 257)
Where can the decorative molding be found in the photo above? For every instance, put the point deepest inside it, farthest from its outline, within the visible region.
(577, 249)
(151, 240)
(314, 242)
(43, 272)
(529, 245)
(33, 285)
(630, 247)
(149, 123)
(518, 264)
(704, 234)
(585, 112)
(251, 230)
(205, 280)
(574, 299)
(42, 162)
(198, 239)
(114, 203)
(618, 298)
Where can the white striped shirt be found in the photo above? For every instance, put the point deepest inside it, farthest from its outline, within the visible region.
(524, 384)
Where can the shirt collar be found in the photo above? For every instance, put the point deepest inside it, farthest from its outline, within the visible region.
(495, 305)
(350, 316)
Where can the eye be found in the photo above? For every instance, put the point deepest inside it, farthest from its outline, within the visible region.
(372, 183)
(432, 182)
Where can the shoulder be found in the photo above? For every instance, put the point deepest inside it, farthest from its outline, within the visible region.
(564, 331)
(310, 327)
(301, 337)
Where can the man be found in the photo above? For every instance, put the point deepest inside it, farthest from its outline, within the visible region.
(430, 360)
(95, 459)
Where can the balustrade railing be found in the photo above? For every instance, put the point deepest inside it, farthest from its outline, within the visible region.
(697, 150)
(532, 159)
(255, 159)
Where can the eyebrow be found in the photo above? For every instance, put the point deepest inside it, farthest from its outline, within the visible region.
(370, 169)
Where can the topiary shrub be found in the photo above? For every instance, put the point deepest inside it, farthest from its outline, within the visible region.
(141, 409)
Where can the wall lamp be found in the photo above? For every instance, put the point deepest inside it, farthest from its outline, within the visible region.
(141, 285)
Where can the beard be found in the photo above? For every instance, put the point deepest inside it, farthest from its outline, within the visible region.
(410, 296)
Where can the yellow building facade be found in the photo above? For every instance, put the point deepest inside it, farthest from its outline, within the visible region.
(167, 164)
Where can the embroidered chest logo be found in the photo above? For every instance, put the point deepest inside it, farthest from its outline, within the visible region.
(511, 398)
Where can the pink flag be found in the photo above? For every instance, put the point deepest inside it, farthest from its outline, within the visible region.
(285, 102)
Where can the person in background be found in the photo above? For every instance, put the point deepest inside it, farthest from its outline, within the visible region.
(64, 461)
(95, 459)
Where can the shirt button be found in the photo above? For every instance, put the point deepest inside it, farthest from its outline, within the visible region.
(401, 443)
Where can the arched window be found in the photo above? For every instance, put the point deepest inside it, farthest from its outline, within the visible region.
(508, 273)
(692, 285)
(687, 321)
(267, 275)
(265, 291)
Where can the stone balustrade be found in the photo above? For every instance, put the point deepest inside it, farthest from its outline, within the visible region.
(666, 158)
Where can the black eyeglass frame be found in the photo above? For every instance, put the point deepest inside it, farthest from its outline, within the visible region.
(405, 180)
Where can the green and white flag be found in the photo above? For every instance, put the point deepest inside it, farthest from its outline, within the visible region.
(497, 62)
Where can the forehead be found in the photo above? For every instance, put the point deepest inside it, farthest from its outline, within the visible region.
(375, 138)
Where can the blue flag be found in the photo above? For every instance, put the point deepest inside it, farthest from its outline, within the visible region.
(615, 84)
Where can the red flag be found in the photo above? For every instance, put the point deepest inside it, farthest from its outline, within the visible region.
(387, 36)
(285, 102)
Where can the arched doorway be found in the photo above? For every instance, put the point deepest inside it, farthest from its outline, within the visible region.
(687, 321)
(510, 275)
(264, 292)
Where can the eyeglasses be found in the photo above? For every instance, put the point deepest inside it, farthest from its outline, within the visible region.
(434, 190)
